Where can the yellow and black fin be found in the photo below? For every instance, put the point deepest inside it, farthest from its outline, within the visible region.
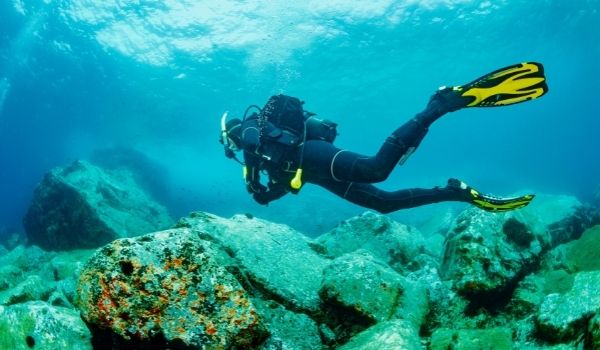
(513, 84)
(496, 204)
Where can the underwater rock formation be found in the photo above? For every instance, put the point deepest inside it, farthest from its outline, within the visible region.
(481, 260)
(289, 330)
(486, 254)
(36, 295)
(565, 316)
(37, 325)
(32, 288)
(167, 289)
(82, 206)
(370, 288)
(583, 254)
(28, 274)
(573, 226)
(249, 283)
(278, 261)
(396, 244)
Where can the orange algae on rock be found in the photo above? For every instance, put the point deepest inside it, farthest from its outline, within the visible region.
(189, 298)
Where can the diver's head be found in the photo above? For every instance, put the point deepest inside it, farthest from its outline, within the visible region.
(231, 135)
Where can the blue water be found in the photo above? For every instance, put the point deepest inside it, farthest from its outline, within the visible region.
(78, 77)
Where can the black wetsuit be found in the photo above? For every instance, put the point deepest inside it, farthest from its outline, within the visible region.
(349, 175)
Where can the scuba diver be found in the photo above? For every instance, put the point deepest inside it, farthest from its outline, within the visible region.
(293, 147)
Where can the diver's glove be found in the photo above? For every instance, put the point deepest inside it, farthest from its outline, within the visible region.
(255, 187)
(275, 191)
(486, 202)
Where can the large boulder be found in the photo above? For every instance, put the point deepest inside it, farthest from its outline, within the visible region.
(83, 206)
(37, 325)
(486, 254)
(359, 284)
(289, 330)
(565, 316)
(169, 289)
(395, 244)
(279, 262)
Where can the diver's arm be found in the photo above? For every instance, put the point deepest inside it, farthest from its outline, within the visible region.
(251, 142)
(252, 173)
(253, 184)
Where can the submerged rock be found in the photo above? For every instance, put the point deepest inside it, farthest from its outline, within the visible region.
(481, 259)
(395, 334)
(289, 330)
(32, 288)
(27, 259)
(471, 339)
(279, 262)
(371, 291)
(527, 297)
(572, 226)
(584, 254)
(37, 325)
(167, 289)
(29, 273)
(486, 254)
(9, 276)
(82, 206)
(565, 316)
(357, 282)
(396, 244)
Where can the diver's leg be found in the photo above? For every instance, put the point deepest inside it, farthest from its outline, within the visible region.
(389, 201)
(318, 171)
(350, 166)
(405, 140)
(342, 165)
(369, 196)
(443, 101)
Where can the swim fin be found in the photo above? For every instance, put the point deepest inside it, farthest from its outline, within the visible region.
(487, 202)
(496, 204)
(513, 84)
